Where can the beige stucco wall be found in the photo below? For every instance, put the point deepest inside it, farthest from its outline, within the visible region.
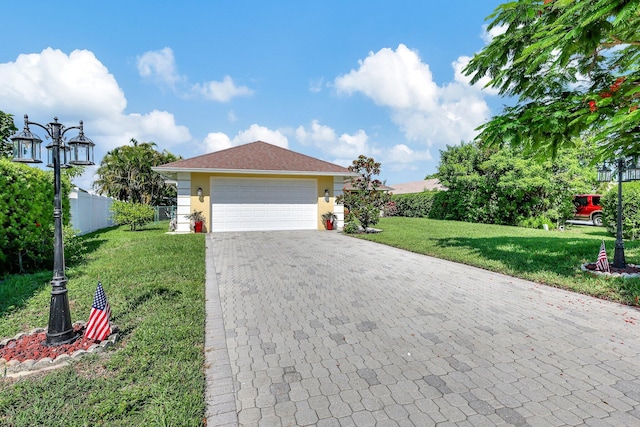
(324, 206)
(202, 180)
(199, 180)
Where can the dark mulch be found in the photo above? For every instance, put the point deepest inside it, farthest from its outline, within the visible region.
(629, 269)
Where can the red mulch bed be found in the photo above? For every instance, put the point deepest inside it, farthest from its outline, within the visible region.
(33, 347)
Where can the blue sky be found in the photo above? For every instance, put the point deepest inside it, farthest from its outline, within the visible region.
(330, 79)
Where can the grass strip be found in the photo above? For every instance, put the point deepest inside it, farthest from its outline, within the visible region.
(154, 376)
(549, 257)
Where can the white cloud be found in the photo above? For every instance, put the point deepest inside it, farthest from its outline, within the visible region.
(396, 79)
(458, 67)
(52, 82)
(488, 35)
(425, 112)
(345, 148)
(220, 91)
(315, 86)
(78, 86)
(217, 141)
(317, 135)
(160, 66)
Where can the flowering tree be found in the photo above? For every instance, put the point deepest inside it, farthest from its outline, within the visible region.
(573, 67)
(364, 199)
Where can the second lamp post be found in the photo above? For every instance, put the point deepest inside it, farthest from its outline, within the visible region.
(627, 170)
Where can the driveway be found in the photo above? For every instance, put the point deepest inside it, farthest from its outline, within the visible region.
(318, 328)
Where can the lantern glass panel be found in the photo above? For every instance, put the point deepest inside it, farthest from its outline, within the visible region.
(26, 148)
(633, 174)
(604, 174)
(81, 151)
(50, 155)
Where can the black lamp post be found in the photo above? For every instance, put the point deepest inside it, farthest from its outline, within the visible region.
(627, 169)
(77, 151)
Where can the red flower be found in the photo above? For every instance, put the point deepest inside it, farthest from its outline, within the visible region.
(592, 106)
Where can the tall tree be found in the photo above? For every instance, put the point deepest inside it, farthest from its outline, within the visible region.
(125, 174)
(365, 199)
(7, 128)
(574, 69)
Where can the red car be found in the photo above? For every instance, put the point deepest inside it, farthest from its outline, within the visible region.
(588, 208)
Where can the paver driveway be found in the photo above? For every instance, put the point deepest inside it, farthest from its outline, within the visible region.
(318, 328)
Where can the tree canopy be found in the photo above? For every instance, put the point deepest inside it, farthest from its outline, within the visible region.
(364, 199)
(573, 67)
(7, 128)
(125, 174)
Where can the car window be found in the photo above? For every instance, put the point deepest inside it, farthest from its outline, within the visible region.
(581, 201)
(595, 200)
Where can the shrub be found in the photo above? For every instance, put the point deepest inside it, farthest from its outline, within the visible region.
(134, 214)
(26, 217)
(630, 210)
(351, 224)
(537, 222)
(414, 205)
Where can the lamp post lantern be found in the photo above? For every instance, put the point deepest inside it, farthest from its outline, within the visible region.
(627, 170)
(77, 151)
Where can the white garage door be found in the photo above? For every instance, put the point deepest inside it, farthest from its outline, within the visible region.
(243, 204)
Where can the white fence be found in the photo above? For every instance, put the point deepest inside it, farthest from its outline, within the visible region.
(89, 212)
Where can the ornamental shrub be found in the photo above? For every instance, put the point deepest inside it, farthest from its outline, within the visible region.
(26, 217)
(630, 210)
(136, 215)
(537, 222)
(415, 205)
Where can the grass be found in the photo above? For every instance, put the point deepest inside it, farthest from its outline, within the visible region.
(154, 376)
(549, 257)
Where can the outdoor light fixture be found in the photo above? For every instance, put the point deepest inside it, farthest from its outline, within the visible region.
(627, 169)
(199, 192)
(326, 195)
(604, 173)
(78, 151)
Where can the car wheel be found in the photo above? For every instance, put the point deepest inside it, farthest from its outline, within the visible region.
(597, 220)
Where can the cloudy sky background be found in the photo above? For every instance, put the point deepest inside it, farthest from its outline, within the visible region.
(329, 79)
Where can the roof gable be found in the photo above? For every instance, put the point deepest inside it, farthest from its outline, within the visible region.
(255, 156)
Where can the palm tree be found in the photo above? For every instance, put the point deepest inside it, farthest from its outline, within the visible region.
(125, 174)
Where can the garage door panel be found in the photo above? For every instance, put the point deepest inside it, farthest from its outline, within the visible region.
(243, 204)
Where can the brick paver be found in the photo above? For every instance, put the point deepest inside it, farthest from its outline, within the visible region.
(318, 328)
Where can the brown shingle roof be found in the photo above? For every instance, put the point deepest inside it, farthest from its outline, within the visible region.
(255, 156)
(418, 186)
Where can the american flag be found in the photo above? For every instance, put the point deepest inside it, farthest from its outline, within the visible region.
(98, 327)
(603, 263)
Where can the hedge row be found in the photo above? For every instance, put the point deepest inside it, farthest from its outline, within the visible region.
(416, 205)
(26, 217)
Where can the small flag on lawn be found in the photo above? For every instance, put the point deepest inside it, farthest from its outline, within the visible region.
(603, 263)
(98, 327)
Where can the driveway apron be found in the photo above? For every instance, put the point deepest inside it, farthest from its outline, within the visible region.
(318, 328)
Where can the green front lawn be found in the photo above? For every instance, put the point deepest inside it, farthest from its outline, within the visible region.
(550, 257)
(155, 285)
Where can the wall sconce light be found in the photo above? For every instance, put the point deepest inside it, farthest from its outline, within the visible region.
(199, 192)
(326, 195)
